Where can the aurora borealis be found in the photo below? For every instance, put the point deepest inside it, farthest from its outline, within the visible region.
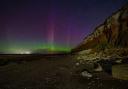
(56, 25)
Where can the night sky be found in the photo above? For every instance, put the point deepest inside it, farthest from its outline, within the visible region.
(57, 25)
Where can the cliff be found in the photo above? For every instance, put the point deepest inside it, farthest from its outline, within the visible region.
(112, 34)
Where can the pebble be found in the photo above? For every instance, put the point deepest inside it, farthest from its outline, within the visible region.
(77, 64)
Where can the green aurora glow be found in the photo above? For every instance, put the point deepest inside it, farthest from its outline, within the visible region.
(15, 47)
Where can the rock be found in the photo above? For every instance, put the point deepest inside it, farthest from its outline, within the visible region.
(98, 68)
(106, 65)
(118, 61)
(120, 71)
(77, 64)
(86, 74)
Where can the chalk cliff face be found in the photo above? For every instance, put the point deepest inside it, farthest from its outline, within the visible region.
(113, 33)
